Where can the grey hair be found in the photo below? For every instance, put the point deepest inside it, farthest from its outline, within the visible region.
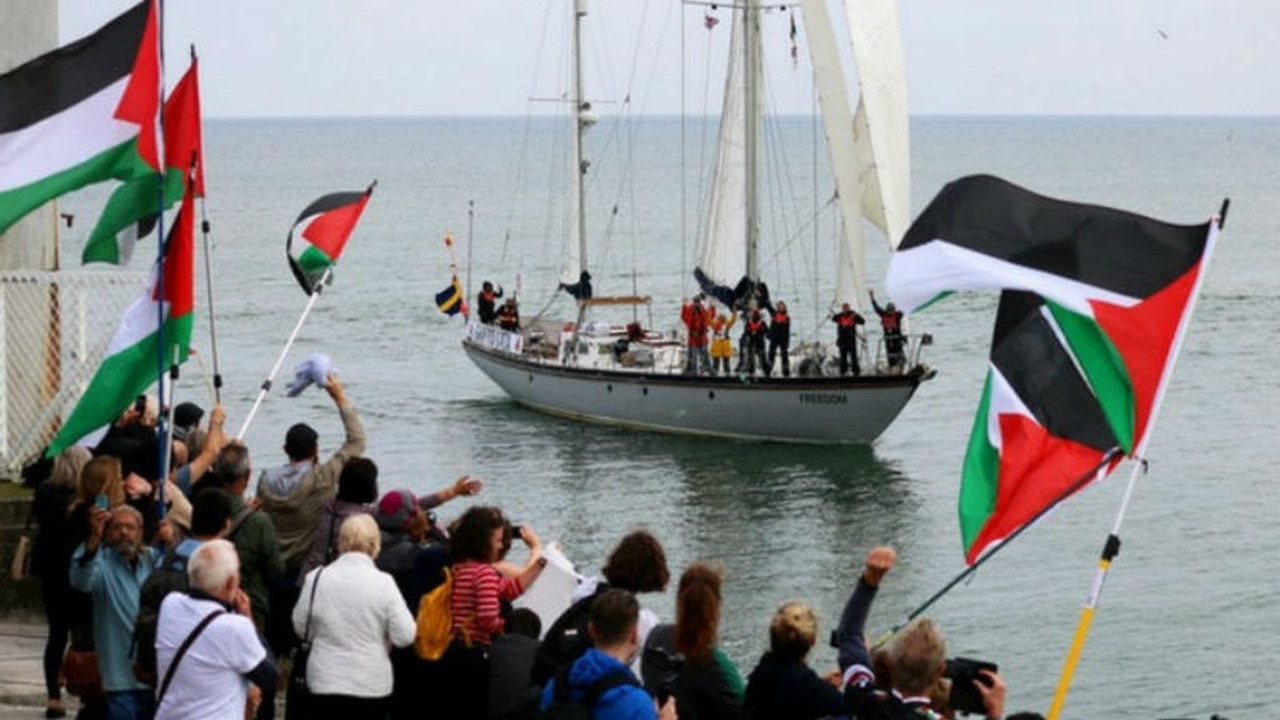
(359, 533)
(233, 463)
(129, 510)
(212, 566)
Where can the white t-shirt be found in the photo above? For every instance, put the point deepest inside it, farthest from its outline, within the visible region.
(210, 682)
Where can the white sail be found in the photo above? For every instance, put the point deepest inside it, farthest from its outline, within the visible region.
(723, 255)
(881, 126)
(847, 166)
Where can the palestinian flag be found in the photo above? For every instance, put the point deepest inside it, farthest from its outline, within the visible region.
(320, 233)
(1040, 433)
(130, 213)
(132, 361)
(84, 113)
(1080, 355)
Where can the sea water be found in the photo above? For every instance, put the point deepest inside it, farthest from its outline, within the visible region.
(1188, 622)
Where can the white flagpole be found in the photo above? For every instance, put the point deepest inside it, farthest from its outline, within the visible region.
(293, 336)
(1112, 547)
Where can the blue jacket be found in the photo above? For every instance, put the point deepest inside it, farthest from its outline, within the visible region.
(115, 585)
(622, 702)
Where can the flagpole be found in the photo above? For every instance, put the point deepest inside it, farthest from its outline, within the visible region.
(160, 310)
(266, 384)
(1079, 483)
(1112, 546)
(166, 436)
(471, 221)
(208, 284)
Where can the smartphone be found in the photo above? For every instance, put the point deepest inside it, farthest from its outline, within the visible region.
(964, 696)
(101, 501)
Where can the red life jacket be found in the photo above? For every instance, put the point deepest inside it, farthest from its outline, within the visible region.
(891, 322)
(755, 327)
(780, 318)
(846, 320)
(697, 322)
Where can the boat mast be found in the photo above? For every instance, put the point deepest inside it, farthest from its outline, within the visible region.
(577, 209)
(579, 129)
(752, 68)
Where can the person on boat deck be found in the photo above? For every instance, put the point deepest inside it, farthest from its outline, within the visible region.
(721, 345)
(916, 658)
(891, 325)
(509, 316)
(779, 339)
(757, 329)
(847, 322)
(486, 302)
(697, 319)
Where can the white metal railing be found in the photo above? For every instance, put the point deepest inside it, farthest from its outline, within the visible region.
(55, 327)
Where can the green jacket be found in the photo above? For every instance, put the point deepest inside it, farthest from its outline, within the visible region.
(260, 561)
(295, 495)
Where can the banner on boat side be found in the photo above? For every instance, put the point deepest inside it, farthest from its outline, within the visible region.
(1094, 301)
(494, 337)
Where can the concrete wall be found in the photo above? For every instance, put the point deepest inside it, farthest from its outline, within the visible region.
(29, 28)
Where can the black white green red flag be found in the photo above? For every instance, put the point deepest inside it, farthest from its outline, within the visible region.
(81, 114)
(1096, 301)
(130, 364)
(130, 212)
(320, 234)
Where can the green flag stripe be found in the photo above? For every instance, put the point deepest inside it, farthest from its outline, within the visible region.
(313, 261)
(120, 162)
(980, 476)
(130, 203)
(1103, 367)
(122, 377)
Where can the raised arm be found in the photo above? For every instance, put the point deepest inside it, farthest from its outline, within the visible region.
(851, 635)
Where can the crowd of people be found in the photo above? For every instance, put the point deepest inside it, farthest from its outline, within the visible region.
(194, 601)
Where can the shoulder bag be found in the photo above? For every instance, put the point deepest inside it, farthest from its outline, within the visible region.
(182, 651)
(298, 699)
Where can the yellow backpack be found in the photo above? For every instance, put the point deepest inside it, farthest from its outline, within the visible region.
(435, 620)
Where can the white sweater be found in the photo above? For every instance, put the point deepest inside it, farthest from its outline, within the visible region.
(358, 608)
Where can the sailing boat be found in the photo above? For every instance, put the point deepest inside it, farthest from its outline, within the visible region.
(630, 377)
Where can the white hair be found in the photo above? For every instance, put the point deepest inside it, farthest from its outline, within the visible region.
(359, 533)
(212, 566)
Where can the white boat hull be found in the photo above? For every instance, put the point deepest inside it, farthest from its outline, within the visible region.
(818, 410)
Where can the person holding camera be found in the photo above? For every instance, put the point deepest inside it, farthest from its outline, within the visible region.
(917, 658)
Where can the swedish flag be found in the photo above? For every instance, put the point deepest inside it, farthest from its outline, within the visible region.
(450, 300)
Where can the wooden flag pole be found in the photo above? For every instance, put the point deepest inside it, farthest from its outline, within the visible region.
(293, 336)
(1112, 547)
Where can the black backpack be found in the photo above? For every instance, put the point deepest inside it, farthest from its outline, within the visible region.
(567, 638)
(565, 707)
(660, 666)
(169, 576)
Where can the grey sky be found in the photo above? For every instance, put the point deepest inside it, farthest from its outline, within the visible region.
(465, 57)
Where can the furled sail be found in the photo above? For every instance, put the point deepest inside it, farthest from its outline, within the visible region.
(881, 125)
(722, 258)
(574, 278)
(848, 167)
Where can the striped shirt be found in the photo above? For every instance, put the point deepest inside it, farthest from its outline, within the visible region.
(477, 587)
